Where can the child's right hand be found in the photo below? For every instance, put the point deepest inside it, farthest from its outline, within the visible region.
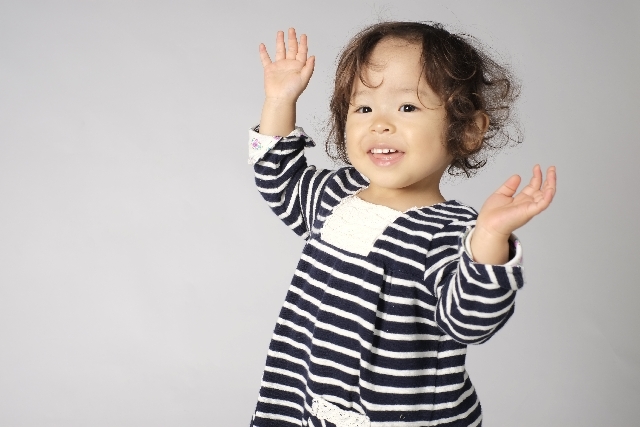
(287, 77)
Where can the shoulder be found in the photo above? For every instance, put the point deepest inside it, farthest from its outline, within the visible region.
(455, 218)
(451, 213)
(345, 182)
(351, 178)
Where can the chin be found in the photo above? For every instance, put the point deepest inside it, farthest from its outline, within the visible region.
(389, 183)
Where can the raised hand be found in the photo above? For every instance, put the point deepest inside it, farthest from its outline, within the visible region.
(284, 80)
(505, 211)
(287, 77)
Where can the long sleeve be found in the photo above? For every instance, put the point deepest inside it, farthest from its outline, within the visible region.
(473, 300)
(290, 187)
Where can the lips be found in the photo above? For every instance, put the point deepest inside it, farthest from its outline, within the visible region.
(380, 158)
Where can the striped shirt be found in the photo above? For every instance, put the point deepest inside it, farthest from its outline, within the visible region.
(381, 336)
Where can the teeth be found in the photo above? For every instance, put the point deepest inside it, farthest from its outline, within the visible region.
(382, 150)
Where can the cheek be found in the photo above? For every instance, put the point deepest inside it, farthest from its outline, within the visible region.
(351, 137)
(348, 128)
(351, 151)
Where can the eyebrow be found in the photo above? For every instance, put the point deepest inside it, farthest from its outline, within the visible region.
(401, 90)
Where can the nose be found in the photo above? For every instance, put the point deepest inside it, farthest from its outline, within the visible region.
(381, 124)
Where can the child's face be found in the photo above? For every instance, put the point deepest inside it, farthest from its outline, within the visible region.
(403, 114)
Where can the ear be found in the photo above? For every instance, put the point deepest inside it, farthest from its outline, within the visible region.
(474, 136)
(482, 121)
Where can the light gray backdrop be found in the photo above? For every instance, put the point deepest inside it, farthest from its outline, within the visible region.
(141, 274)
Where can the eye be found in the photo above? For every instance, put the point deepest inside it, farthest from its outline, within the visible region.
(364, 109)
(407, 108)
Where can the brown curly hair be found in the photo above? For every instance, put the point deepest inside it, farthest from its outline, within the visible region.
(465, 78)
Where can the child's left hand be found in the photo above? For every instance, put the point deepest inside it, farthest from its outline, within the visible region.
(503, 213)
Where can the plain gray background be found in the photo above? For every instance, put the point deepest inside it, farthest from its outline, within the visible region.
(141, 274)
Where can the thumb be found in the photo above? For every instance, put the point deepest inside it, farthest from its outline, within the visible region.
(510, 186)
(307, 70)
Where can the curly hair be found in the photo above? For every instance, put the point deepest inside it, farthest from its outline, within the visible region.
(464, 77)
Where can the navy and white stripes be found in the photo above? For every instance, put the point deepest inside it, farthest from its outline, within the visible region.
(382, 335)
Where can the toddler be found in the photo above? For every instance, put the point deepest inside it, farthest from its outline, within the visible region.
(394, 281)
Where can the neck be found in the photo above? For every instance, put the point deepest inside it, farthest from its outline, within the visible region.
(401, 199)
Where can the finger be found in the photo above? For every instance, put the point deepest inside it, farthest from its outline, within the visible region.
(541, 202)
(543, 198)
(264, 56)
(307, 70)
(550, 181)
(549, 194)
(280, 52)
(292, 51)
(510, 186)
(534, 183)
(549, 186)
(303, 49)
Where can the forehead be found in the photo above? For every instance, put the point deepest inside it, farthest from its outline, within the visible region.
(394, 65)
(393, 55)
(391, 47)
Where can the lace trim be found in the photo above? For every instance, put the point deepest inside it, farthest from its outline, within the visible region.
(355, 225)
(324, 410)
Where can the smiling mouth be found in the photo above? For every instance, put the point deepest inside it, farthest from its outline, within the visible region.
(384, 156)
(383, 150)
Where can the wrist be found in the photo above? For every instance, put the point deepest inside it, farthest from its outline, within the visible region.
(489, 248)
(490, 235)
(279, 102)
(278, 116)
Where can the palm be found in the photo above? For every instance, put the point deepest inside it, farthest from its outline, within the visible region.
(287, 76)
(504, 211)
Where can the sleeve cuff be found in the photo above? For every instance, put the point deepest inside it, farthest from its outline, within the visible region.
(515, 248)
(259, 144)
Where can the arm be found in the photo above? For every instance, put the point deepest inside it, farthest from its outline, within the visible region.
(474, 300)
(290, 187)
(476, 287)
